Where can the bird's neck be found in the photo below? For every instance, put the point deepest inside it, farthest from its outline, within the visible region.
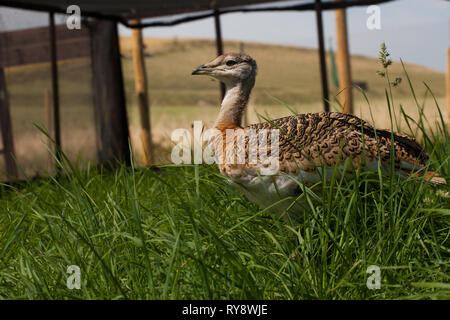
(234, 104)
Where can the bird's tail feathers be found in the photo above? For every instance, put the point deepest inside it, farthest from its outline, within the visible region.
(434, 178)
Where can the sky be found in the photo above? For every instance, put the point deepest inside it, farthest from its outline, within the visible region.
(415, 30)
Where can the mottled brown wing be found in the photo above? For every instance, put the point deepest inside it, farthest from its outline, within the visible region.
(407, 145)
(328, 137)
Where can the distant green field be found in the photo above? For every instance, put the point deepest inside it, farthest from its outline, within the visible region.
(177, 99)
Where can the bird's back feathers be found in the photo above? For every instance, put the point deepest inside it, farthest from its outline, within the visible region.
(308, 141)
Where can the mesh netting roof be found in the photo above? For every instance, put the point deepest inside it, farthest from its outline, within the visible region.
(123, 10)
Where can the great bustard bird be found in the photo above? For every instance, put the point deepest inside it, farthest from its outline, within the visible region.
(307, 142)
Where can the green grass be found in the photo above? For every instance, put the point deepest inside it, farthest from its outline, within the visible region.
(181, 232)
(169, 234)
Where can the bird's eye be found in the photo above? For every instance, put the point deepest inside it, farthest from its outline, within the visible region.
(231, 63)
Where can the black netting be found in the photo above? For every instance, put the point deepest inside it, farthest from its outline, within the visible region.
(29, 93)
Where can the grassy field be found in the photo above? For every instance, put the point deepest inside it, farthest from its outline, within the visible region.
(181, 232)
(286, 73)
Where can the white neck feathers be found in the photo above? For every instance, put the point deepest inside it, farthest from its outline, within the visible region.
(234, 104)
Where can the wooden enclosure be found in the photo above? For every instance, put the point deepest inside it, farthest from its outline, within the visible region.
(97, 40)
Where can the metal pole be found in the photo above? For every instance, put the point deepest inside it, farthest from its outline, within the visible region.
(323, 64)
(55, 86)
(219, 44)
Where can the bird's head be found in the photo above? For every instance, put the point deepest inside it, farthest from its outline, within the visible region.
(229, 68)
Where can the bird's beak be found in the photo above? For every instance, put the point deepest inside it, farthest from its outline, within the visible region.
(201, 70)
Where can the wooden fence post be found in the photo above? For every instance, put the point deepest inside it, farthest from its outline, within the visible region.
(109, 95)
(6, 130)
(343, 61)
(140, 80)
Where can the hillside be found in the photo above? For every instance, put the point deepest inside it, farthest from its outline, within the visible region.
(288, 73)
